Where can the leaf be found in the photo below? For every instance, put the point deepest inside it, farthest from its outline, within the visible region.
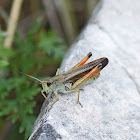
(3, 63)
(27, 125)
(15, 117)
(3, 88)
(35, 28)
(28, 93)
(7, 106)
(16, 83)
(51, 44)
(6, 52)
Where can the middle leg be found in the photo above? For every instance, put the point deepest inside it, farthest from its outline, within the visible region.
(75, 90)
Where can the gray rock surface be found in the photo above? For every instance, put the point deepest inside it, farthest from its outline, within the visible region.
(111, 104)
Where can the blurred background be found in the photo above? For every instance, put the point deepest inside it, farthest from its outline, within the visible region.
(34, 36)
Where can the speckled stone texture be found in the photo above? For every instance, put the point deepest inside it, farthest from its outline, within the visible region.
(111, 104)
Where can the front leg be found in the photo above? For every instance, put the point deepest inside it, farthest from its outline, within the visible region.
(56, 95)
(42, 92)
(46, 97)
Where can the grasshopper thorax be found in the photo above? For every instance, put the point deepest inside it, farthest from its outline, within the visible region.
(51, 85)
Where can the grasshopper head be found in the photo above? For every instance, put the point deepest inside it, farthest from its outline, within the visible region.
(46, 84)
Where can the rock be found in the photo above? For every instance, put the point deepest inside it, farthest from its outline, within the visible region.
(111, 104)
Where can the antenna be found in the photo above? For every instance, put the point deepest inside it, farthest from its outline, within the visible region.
(29, 76)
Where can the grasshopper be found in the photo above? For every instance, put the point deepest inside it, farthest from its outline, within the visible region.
(73, 79)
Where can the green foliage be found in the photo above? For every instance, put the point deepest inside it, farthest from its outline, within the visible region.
(51, 44)
(30, 56)
(4, 52)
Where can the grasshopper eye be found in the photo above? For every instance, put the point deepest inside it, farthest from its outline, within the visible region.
(48, 84)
